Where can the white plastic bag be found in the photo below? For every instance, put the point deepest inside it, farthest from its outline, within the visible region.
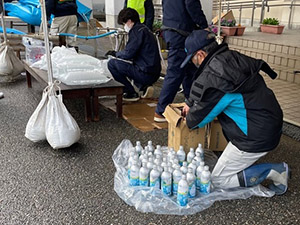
(60, 127)
(152, 200)
(35, 128)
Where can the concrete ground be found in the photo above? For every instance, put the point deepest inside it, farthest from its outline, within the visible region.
(39, 185)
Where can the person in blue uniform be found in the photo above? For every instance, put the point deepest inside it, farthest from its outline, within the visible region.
(180, 18)
(228, 85)
(139, 62)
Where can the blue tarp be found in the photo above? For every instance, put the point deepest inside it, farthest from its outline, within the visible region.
(29, 11)
(11, 31)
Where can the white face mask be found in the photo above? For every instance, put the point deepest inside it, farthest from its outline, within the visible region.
(127, 28)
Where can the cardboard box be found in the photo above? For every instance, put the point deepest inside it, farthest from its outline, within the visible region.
(179, 133)
(228, 16)
(216, 139)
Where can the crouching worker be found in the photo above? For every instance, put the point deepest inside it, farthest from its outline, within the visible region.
(228, 85)
(139, 61)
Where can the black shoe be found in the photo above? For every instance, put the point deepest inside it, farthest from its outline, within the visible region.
(131, 97)
(147, 92)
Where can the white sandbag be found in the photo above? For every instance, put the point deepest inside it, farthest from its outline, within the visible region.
(61, 129)
(83, 78)
(35, 128)
(6, 66)
(10, 65)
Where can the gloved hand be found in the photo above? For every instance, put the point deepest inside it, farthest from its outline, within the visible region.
(111, 52)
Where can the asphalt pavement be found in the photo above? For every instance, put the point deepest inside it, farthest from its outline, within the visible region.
(39, 185)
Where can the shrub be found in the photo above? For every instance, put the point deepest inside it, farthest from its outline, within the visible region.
(228, 23)
(270, 21)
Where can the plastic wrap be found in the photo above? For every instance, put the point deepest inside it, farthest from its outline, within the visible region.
(75, 69)
(146, 199)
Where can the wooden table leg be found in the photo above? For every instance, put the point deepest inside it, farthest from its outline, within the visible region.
(96, 108)
(88, 109)
(28, 78)
(119, 105)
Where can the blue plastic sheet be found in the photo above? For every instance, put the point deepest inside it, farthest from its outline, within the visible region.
(26, 12)
(12, 31)
(29, 11)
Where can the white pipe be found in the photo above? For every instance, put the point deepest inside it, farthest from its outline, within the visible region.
(219, 40)
(46, 39)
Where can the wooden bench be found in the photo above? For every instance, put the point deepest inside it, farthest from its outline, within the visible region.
(89, 93)
(15, 21)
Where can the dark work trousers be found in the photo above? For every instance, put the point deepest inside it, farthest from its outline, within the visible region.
(175, 75)
(122, 71)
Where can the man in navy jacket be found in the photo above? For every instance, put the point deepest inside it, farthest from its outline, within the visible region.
(139, 61)
(228, 85)
(180, 18)
(65, 18)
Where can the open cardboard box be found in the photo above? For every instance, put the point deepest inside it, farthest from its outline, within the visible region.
(179, 133)
(211, 136)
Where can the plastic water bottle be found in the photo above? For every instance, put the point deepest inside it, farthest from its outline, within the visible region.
(171, 170)
(138, 147)
(158, 151)
(200, 169)
(181, 155)
(166, 182)
(164, 163)
(145, 159)
(170, 153)
(177, 174)
(155, 177)
(157, 160)
(175, 162)
(184, 168)
(193, 165)
(133, 157)
(150, 164)
(201, 151)
(190, 177)
(150, 147)
(190, 156)
(198, 158)
(142, 155)
(205, 181)
(134, 174)
(183, 190)
(144, 176)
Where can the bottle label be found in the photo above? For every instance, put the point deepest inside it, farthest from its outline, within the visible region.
(134, 181)
(182, 198)
(144, 182)
(128, 172)
(175, 187)
(180, 163)
(166, 188)
(192, 190)
(198, 183)
(205, 187)
(155, 183)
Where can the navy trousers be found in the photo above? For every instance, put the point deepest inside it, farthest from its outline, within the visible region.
(175, 75)
(123, 72)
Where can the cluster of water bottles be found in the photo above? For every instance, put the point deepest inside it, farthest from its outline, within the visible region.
(175, 173)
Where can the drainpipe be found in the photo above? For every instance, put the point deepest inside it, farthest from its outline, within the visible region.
(290, 16)
(240, 18)
(253, 9)
(262, 11)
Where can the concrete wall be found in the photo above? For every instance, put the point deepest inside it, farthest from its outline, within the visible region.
(112, 9)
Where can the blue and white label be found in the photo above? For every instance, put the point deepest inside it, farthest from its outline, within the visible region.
(182, 198)
(175, 188)
(192, 190)
(166, 188)
(205, 188)
(144, 182)
(134, 181)
(128, 172)
(198, 183)
(155, 183)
